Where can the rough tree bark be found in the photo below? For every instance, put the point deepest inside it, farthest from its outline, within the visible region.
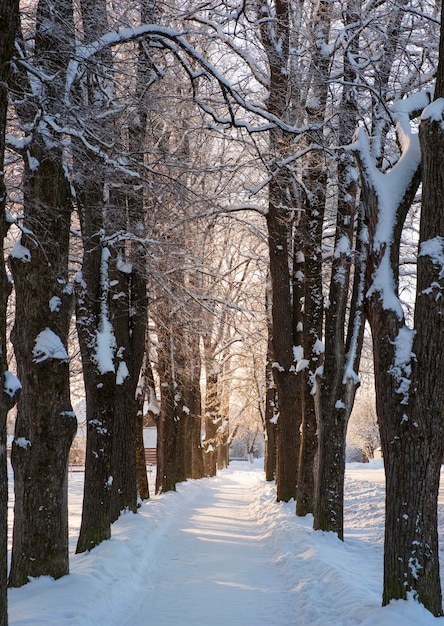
(275, 37)
(409, 397)
(270, 409)
(142, 394)
(341, 361)
(9, 20)
(167, 425)
(212, 413)
(45, 424)
(94, 328)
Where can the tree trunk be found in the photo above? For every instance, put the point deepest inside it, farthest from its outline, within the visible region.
(9, 20)
(99, 379)
(409, 398)
(270, 408)
(167, 426)
(212, 420)
(128, 309)
(142, 393)
(341, 362)
(193, 402)
(414, 443)
(275, 34)
(45, 424)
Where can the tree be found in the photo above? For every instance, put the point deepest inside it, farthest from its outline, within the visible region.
(408, 396)
(269, 408)
(410, 421)
(339, 380)
(111, 292)
(9, 20)
(275, 31)
(45, 423)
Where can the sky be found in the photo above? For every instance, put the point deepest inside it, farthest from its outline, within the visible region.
(222, 552)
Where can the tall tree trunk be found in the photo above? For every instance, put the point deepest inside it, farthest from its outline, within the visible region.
(315, 183)
(142, 393)
(341, 363)
(167, 436)
(99, 378)
(9, 20)
(275, 31)
(45, 424)
(270, 408)
(409, 398)
(128, 309)
(96, 335)
(212, 420)
(193, 403)
(413, 444)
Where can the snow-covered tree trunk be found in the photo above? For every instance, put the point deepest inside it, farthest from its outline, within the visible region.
(128, 312)
(270, 409)
(93, 291)
(212, 416)
(315, 182)
(339, 380)
(414, 462)
(9, 20)
(45, 424)
(409, 396)
(274, 28)
(97, 345)
(111, 292)
(144, 393)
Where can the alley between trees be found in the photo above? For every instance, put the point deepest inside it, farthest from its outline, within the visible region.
(215, 566)
(222, 551)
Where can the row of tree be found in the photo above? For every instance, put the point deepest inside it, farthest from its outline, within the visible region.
(164, 153)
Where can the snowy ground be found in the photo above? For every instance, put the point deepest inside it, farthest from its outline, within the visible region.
(222, 552)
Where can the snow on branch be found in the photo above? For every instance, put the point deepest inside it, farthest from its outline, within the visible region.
(435, 111)
(175, 41)
(390, 191)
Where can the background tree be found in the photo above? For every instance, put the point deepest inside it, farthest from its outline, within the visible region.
(9, 20)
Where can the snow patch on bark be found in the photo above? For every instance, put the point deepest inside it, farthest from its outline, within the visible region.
(48, 345)
(11, 384)
(401, 369)
(21, 252)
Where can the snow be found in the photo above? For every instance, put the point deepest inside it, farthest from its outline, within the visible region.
(122, 373)
(434, 248)
(105, 339)
(21, 252)
(434, 111)
(390, 189)
(298, 353)
(11, 384)
(302, 365)
(318, 347)
(48, 345)
(401, 369)
(22, 442)
(54, 304)
(222, 551)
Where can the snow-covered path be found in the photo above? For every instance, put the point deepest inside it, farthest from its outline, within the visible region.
(215, 560)
(221, 551)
